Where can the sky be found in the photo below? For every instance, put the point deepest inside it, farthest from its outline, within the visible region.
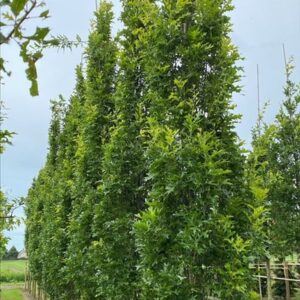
(260, 28)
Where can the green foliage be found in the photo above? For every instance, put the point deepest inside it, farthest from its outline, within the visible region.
(50, 241)
(15, 15)
(254, 296)
(5, 223)
(5, 139)
(121, 191)
(276, 156)
(145, 193)
(192, 232)
(17, 6)
(97, 118)
(285, 161)
(5, 207)
(5, 135)
(7, 218)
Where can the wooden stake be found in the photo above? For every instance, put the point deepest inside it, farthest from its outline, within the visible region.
(259, 284)
(29, 282)
(25, 279)
(269, 283)
(287, 283)
(35, 290)
(39, 293)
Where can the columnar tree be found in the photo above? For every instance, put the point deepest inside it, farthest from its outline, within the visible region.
(284, 159)
(121, 190)
(94, 133)
(193, 239)
(62, 194)
(50, 199)
(40, 205)
(278, 148)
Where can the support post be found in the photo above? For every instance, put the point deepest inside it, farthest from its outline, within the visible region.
(34, 289)
(25, 279)
(259, 283)
(29, 283)
(287, 283)
(269, 282)
(39, 292)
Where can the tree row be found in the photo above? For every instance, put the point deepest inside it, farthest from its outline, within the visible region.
(147, 192)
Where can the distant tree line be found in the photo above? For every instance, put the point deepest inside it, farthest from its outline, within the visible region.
(147, 192)
(12, 253)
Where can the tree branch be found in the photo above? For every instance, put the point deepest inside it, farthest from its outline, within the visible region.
(19, 23)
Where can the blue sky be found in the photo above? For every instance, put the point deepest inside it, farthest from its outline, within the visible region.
(260, 27)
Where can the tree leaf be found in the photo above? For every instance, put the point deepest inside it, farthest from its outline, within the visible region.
(2, 39)
(40, 34)
(17, 6)
(45, 14)
(34, 91)
(8, 16)
(32, 77)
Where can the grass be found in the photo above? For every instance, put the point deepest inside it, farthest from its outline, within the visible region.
(297, 297)
(11, 294)
(13, 265)
(12, 270)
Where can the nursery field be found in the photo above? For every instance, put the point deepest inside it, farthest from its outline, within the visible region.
(12, 271)
(12, 279)
(11, 294)
(13, 265)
